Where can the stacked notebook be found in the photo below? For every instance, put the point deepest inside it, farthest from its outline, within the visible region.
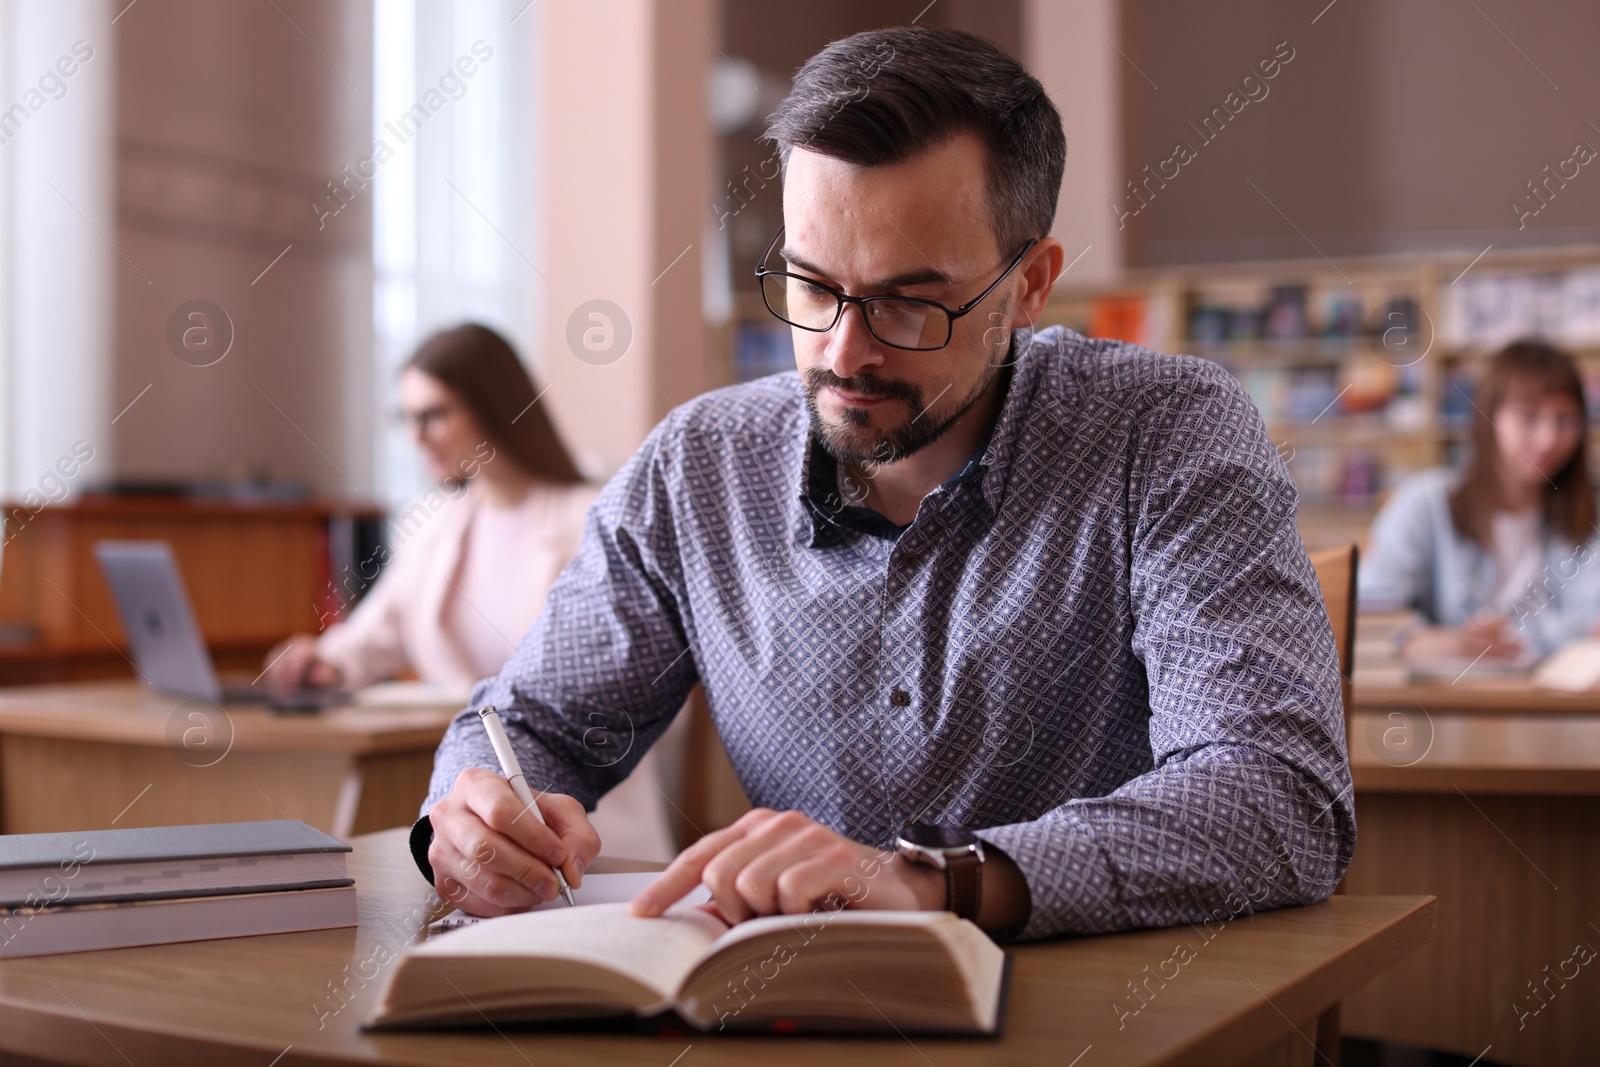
(76, 891)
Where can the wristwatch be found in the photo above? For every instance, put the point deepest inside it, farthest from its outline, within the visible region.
(956, 852)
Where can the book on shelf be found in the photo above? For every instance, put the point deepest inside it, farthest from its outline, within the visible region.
(1489, 309)
(827, 972)
(1118, 317)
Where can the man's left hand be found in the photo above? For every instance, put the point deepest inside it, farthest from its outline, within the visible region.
(771, 863)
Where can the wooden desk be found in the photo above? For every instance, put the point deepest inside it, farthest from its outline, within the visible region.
(1497, 819)
(248, 1000)
(1471, 696)
(89, 755)
(1509, 755)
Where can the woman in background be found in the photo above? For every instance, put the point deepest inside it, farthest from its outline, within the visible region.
(1500, 559)
(477, 557)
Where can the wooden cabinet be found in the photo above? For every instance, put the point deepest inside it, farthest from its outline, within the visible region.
(254, 572)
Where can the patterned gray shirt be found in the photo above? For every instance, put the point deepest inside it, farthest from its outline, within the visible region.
(1102, 646)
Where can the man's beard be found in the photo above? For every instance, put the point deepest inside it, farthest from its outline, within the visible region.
(921, 428)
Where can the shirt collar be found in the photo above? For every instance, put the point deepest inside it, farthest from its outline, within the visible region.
(831, 513)
(996, 459)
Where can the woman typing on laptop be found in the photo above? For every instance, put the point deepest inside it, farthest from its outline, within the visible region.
(475, 557)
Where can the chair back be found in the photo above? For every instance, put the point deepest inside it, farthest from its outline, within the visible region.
(1336, 573)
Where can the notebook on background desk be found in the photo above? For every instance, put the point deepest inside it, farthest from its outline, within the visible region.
(389, 695)
(1573, 668)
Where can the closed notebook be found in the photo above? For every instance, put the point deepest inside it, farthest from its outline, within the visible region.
(160, 862)
(121, 924)
(845, 971)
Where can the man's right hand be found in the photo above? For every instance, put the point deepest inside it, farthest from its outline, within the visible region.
(294, 665)
(491, 857)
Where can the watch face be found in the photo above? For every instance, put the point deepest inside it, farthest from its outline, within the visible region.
(938, 838)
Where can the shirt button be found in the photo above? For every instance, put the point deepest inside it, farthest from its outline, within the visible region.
(900, 698)
(910, 561)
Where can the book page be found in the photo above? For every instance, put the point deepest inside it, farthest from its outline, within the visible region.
(822, 919)
(596, 889)
(658, 953)
(915, 970)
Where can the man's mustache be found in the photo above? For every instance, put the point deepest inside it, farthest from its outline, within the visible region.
(820, 378)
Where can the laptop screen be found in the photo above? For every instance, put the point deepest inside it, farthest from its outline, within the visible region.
(154, 607)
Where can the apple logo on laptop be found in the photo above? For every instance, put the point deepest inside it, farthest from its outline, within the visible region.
(152, 622)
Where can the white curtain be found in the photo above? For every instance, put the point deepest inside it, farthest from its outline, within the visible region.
(455, 197)
(58, 263)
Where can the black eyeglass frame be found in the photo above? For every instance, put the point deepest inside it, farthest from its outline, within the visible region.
(951, 314)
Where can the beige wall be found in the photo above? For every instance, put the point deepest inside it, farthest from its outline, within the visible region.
(1394, 129)
(229, 121)
(1069, 47)
(626, 156)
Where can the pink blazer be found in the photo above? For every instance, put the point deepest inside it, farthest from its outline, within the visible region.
(400, 623)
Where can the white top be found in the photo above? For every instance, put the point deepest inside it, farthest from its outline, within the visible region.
(1518, 554)
(1416, 558)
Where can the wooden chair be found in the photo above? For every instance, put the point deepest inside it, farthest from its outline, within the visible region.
(1336, 573)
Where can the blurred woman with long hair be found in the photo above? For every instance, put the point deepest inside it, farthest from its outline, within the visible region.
(476, 556)
(1498, 560)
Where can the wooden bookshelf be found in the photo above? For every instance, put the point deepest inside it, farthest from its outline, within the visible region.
(1355, 413)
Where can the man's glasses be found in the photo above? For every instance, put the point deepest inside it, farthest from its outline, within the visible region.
(898, 321)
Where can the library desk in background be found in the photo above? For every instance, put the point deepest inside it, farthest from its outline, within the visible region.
(1486, 794)
(92, 755)
(255, 572)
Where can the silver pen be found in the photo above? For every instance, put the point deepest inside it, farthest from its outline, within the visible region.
(513, 772)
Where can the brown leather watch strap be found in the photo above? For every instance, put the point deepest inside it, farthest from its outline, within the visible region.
(963, 876)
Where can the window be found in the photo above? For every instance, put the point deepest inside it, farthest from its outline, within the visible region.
(456, 195)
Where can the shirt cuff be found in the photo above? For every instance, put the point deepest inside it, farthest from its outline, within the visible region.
(421, 838)
(1068, 883)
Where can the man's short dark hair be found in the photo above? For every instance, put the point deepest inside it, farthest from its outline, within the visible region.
(883, 96)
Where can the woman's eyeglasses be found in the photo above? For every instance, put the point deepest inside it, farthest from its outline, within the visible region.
(422, 421)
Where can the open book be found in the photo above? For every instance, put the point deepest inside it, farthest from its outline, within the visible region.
(841, 971)
(1574, 668)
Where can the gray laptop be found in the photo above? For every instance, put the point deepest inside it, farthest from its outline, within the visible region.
(154, 607)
